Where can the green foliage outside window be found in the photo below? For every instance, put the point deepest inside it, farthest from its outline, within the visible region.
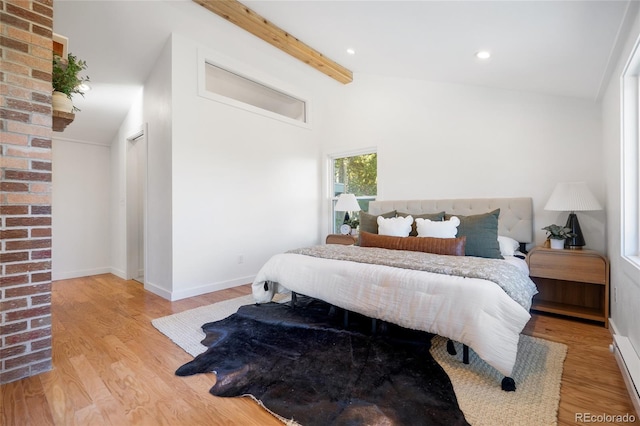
(357, 175)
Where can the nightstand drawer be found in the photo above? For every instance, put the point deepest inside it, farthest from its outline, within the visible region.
(568, 265)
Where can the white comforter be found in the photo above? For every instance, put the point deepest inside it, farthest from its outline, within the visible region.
(472, 311)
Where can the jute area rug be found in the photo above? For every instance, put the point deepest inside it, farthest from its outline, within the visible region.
(538, 370)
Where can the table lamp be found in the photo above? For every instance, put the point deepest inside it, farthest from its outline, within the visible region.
(573, 197)
(347, 203)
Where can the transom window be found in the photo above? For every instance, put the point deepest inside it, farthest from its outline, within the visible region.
(235, 84)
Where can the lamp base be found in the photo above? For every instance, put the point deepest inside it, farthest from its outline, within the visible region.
(577, 241)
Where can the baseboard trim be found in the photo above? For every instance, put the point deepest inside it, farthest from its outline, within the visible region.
(209, 288)
(155, 289)
(67, 275)
(165, 294)
(629, 364)
(119, 273)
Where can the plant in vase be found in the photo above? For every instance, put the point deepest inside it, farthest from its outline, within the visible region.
(557, 235)
(67, 81)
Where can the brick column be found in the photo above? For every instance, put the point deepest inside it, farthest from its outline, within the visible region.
(25, 187)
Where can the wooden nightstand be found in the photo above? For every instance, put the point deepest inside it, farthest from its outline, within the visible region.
(571, 282)
(347, 240)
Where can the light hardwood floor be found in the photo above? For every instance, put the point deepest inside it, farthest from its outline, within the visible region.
(111, 366)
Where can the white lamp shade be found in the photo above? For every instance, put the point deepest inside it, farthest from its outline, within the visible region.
(572, 197)
(347, 203)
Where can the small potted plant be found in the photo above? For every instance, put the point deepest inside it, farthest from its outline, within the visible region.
(67, 81)
(353, 223)
(557, 235)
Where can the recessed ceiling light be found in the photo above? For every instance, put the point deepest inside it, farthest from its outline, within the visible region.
(483, 54)
(351, 51)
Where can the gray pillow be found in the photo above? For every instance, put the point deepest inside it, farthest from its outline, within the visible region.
(481, 231)
(369, 222)
(437, 217)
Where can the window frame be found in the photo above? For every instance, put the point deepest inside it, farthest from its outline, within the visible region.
(630, 164)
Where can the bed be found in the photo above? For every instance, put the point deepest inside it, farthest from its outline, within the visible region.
(480, 299)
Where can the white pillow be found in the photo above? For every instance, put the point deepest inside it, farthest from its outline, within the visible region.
(395, 226)
(508, 246)
(438, 229)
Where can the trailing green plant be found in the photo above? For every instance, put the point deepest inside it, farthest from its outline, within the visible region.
(557, 232)
(65, 76)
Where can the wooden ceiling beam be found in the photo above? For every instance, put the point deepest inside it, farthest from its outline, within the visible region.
(240, 15)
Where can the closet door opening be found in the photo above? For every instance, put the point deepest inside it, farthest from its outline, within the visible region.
(136, 182)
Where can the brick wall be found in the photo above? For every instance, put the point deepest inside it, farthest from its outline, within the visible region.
(25, 187)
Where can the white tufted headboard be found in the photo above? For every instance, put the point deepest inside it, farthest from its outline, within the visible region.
(515, 221)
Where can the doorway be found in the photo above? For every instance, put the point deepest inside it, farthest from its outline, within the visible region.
(136, 197)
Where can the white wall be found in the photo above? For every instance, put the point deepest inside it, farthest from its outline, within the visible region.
(438, 140)
(625, 285)
(81, 214)
(245, 186)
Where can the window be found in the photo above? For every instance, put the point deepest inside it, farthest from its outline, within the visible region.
(233, 86)
(353, 174)
(233, 83)
(630, 196)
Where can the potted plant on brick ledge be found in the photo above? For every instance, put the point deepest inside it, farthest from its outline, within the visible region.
(67, 81)
(556, 235)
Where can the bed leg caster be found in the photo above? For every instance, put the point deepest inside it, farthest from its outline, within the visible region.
(508, 384)
(384, 327)
(450, 348)
(294, 299)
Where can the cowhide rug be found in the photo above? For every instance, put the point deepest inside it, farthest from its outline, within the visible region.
(303, 365)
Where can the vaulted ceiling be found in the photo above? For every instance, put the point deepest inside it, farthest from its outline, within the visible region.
(564, 48)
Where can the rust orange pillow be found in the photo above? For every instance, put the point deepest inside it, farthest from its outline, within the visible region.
(448, 246)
